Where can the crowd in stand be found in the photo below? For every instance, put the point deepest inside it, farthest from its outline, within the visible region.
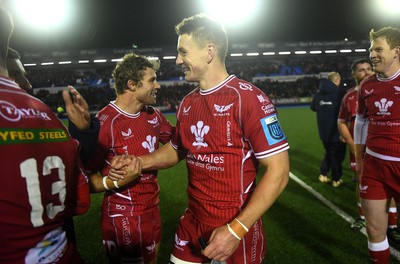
(96, 84)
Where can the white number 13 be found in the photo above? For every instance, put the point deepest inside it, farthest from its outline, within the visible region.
(29, 171)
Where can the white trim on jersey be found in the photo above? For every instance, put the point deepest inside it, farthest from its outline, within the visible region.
(380, 156)
(271, 152)
(360, 130)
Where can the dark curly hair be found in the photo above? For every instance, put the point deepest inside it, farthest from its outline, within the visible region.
(131, 67)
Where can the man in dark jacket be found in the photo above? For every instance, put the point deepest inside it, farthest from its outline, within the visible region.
(326, 103)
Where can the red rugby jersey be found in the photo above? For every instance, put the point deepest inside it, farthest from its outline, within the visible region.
(134, 134)
(224, 131)
(40, 177)
(347, 112)
(379, 102)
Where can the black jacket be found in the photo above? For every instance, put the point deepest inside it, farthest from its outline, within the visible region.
(326, 103)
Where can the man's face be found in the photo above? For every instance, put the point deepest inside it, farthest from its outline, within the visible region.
(146, 93)
(362, 71)
(17, 72)
(192, 58)
(382, 56)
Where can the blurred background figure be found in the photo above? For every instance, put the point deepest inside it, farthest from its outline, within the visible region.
(326, 104)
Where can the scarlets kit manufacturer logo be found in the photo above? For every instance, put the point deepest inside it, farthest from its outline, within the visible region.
(199, 130)
(13, 114)
(383, 106)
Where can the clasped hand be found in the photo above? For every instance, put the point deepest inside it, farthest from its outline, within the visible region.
(125, 169)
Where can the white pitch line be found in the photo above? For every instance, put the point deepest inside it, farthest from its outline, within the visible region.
(395, 253)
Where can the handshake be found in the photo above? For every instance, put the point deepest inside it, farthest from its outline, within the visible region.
(124, 169)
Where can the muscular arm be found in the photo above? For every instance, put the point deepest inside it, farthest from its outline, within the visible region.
(222, 243)
(162, 158)
(345, 134)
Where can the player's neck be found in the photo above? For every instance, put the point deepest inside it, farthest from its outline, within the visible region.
(212, 78)
(391, 72)
(127, 105)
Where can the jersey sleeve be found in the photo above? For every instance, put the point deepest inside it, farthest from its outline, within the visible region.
(166, 130)
(343, 110)
(261, 126)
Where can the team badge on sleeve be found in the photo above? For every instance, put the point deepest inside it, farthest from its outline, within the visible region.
(272, 129)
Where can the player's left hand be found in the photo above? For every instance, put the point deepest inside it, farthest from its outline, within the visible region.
(77, 108)
(121, 165)
(221, 245)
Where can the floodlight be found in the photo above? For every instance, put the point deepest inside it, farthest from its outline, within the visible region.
(230, 12)
(43, 14)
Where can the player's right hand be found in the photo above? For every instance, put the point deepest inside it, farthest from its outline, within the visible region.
(120, 166)
(133, 170)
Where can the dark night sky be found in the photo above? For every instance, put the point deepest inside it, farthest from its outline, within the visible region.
(149, 23)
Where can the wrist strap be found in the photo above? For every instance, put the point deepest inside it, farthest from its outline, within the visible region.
(116, 184)
(238, 228)
(105, 183)
(233, 232)
(245, 228)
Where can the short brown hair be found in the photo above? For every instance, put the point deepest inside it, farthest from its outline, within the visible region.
(205, 29)
(391, 34)
(131, 67)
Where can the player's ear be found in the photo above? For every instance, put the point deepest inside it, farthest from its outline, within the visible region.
(131, 85)
(211, 52)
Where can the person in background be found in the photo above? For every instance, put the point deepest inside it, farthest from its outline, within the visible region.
(226, 128)
(361, 69)
(45, 183)
(16, 70)
(326, 104)
(131, 219)
(376, 133)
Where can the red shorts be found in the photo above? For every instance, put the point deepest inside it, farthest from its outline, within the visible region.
(380, 179)
(131, 238)
(187, 248)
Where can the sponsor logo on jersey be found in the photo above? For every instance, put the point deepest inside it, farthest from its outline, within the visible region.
(383, 106)
(19, 135)
(245, 86)
(186, 110)
(150, 143)
(228, 134)
(268, 109)
(397, 88)
(263, 98)
(206, 161)
(221, 109)
(199, 130)
(272, 129)
(13, 114)
(179, 242)
(153, 121)
(126, 232)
